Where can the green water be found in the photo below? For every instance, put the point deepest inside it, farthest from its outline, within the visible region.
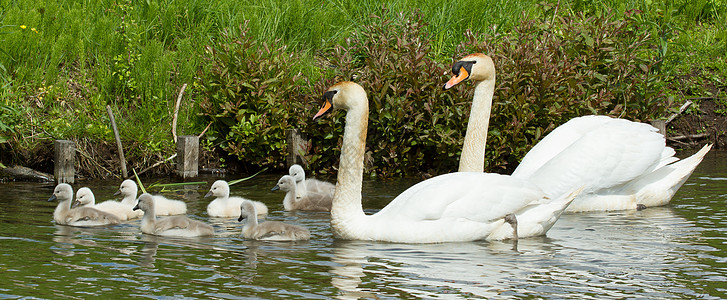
(676, 251)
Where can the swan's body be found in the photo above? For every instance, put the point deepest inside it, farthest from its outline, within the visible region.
(453, 207)
(619, 163)
(163, 205)
(311, 201)
(86, 198)
(268, 230)
(81, 216)
(178, 226)
(310, 185)
(228, 207)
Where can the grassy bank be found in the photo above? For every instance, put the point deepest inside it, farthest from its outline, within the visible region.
(256, 68)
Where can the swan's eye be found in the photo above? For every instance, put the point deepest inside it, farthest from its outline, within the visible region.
(467, 65)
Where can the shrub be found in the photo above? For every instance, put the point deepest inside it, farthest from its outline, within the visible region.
(251, 94)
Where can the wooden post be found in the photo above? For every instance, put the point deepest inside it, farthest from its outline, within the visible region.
(297, 144)
(661, 125)
(65, 159)
(188, 156)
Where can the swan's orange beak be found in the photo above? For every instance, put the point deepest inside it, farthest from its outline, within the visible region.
(463, 74)
(324, 109)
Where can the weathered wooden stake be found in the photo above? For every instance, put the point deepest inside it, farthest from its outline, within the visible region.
(297, 144)
(122, 160)
(188, 156)
(65, 159)
(661, 125)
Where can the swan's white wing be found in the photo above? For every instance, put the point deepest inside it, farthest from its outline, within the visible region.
(616, 152)
(556, 142)
(470, 195)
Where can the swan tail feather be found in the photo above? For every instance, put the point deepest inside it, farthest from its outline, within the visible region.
(659, 187)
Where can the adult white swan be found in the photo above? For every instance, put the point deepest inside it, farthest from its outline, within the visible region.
(461, 206)
(621, 164)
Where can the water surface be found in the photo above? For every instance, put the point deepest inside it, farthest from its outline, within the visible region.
(676, 251)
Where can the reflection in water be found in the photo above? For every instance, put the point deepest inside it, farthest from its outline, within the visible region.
(611, 254)
(148, 253)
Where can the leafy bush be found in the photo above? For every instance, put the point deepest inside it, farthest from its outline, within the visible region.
(252, 94)
(548, 72)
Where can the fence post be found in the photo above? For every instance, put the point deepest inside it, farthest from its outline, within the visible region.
(661, 125)
(297, 146)
(65, 159)
(188, 156)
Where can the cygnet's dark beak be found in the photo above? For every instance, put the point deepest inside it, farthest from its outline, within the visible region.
(275, 188)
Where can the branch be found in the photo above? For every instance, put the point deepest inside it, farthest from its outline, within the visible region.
(693, 136)
(118, 141)
(681, 110)
(84, 154)
(176, 112)
(205, 130)
(156, 164)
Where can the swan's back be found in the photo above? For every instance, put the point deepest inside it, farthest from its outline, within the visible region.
(622, 164)
(182, 226)
(320, 187)
(87, 216)
(166, 207)
(609, 154)
(314, 201)
(230, 207)
(556, 141)
(120, 210)
(278, 231)
(480, 197)
(116, 208)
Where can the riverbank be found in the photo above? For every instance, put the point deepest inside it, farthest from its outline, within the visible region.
(249, 78)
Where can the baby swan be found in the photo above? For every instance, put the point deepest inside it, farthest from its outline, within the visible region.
(64, 214)
(311, 185)
(226, 206)
(178, 226)
(311, 201)
(268, 230)
(86, 198)
(164, 205)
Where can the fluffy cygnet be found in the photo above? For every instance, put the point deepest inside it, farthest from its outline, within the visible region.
(226, 206)
(268, 230)
(311, 201)
(179, 226)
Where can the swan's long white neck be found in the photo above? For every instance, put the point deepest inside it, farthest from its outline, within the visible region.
(148, 220)
(472, 158)
(290, 197)
(61, 210)
(346, 209)
(130, 199)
